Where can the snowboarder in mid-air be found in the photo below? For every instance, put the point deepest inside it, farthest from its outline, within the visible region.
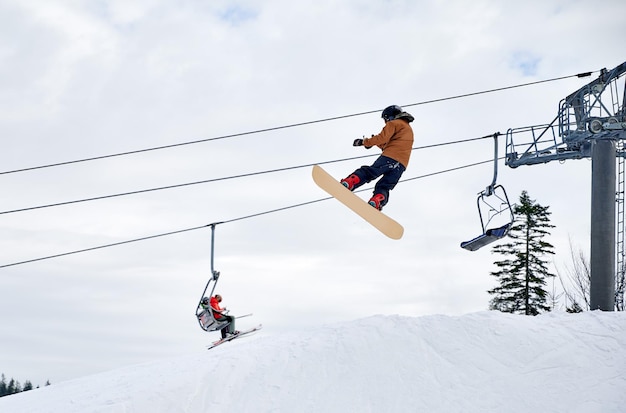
(396, 142)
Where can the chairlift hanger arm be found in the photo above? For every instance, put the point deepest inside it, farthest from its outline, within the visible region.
(490, 188)
(214, 274)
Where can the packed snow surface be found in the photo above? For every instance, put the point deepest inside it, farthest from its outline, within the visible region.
(481, 362)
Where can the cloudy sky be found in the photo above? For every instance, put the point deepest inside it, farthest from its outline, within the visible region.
(83, 79)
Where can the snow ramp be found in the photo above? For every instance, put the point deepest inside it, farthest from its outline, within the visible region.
(481, 362)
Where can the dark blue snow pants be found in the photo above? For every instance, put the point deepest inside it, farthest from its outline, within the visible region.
(390, 169)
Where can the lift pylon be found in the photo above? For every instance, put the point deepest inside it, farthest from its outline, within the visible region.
(589, 123)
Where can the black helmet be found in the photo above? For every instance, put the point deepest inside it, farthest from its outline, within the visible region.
(391, 112)
(205, 301)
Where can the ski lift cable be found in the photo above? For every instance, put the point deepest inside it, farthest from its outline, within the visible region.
(161, 188)
(104, 246)
(225, 221)
(138, 151)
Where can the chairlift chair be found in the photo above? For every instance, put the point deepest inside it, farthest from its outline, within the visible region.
(206, 314)
(495, 202)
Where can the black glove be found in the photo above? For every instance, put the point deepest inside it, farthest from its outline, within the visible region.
(357, 142)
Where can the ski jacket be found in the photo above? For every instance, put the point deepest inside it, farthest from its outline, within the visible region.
(216, 306)
(395, 140)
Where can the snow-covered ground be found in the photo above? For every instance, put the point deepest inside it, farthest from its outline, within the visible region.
(481, 362)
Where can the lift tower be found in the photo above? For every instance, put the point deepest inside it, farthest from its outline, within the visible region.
(591, 123)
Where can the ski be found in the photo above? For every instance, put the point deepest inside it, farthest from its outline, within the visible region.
(234, 337)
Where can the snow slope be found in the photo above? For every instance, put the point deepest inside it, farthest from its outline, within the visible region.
(481, 362)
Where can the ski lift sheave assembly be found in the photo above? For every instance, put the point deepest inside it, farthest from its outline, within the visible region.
(494, 210)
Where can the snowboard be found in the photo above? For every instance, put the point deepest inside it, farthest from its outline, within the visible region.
(231, 338)
(376, 218)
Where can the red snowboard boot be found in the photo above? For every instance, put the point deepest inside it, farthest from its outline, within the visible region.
(377, 201)
(350, 181)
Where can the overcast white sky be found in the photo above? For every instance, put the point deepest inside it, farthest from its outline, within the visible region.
(84, 79)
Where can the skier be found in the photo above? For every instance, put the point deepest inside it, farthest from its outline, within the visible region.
(396, 141)
(220, 314)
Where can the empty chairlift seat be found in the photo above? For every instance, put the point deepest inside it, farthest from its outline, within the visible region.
(487, 237)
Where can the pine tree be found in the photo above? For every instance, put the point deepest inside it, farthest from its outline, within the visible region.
(523, 275)
(3, 386)
(27, 386)
(13, 387)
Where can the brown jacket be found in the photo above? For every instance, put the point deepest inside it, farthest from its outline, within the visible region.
(395, 140)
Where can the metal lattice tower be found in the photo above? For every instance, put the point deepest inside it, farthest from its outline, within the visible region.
(591, 123)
